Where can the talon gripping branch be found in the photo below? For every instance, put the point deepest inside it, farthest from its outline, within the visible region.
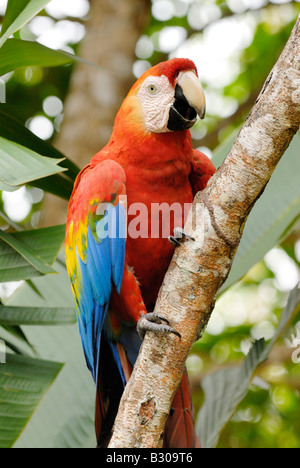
(115, 280)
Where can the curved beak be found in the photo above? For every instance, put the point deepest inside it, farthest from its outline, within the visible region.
(193, 92)
(189, 101)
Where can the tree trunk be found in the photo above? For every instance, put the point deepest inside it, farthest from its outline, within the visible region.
(199, 269)
(95, 95)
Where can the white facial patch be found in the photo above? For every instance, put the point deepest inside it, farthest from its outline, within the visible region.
(156, 96)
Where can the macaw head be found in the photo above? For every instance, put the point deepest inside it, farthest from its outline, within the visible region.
(166, 98)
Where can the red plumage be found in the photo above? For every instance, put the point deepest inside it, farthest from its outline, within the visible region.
(157, 168)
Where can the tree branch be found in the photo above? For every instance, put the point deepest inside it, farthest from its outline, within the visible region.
(199, 268)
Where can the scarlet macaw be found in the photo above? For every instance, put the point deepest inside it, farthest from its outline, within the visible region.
(115, 280)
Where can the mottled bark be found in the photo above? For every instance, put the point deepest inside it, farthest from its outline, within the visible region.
(95, 96)
(199, 268)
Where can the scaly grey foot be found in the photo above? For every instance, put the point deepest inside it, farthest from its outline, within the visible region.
(152, 322)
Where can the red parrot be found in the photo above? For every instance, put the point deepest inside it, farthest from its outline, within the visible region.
(116, 265)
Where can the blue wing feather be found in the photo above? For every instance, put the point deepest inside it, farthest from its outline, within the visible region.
(99, 268)
(117, 245)
(104, 266)
(95, 251)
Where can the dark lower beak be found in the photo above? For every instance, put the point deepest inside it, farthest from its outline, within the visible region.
(182, 115)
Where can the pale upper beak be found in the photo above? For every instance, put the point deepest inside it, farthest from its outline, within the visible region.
(193, 92)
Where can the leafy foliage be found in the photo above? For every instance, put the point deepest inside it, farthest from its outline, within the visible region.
(18, 13)
(19, 166)
(16, 53)
(226, 388)
(22, 386)
(29, 254)
(276, 211)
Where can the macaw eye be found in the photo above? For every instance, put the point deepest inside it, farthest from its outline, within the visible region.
(152, 89)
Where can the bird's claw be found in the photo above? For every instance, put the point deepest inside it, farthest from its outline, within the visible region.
(174, 241)
(152, 322)
(179, 236)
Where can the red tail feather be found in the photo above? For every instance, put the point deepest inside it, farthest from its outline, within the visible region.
(108, 395)
(180, 428)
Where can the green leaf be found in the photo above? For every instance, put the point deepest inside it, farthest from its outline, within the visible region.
(37, 316)
(34, 288)
(11, 346)
(65, 417)
(12, 129)
(7, 188)
(17, 332)
(16, 53)
(13, 9)
(272, 214)
(23, 383)
(46, 291)
(32, 8)
(57, 185)
(20, 165)
(226, 388)
(29, 254)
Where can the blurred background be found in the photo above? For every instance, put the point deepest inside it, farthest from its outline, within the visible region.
(235, 44)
